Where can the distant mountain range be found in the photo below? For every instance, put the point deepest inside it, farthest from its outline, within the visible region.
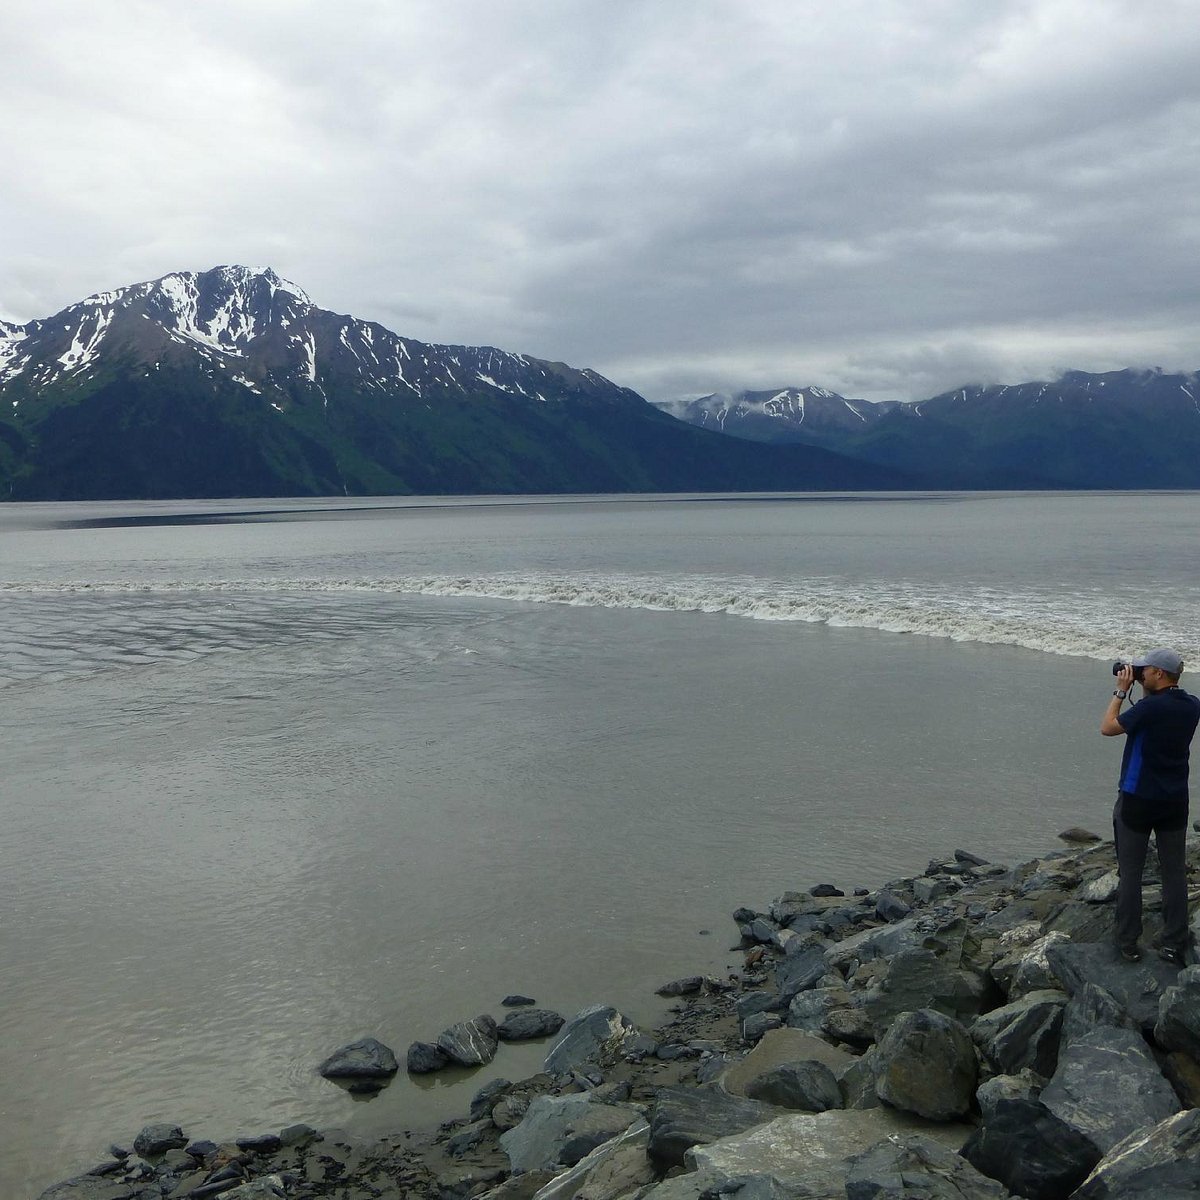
(231, 382)
(1137, 429)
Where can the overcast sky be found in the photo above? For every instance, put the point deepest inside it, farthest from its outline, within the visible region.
(883, 197)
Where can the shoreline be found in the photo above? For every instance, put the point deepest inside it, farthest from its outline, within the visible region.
(1001, 981)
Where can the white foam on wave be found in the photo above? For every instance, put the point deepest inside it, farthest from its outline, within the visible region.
(1055, 621)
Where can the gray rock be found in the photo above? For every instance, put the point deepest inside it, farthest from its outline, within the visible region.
(1108, 1086)
(562, 1129)
(926, 1064)
(485, 1099)
(926, 891)
(1022, 1034)
(425, 1057)
(1026, 1085)
(1079, 836)
(919, 978)
(825, 889)
(763, 929)
(808, 1010)
(509, 1111)
(1029, 1150)
(802, 1086)
(467, 1138)
(470, 1043)
(915, 1166)
(266, 1187)
(850, 1025)
(366, 1059)
(596, 1033)
(875, 943)
(1091, 1006)
(88, 1187)
(1178, 1024)
(857, 1081)
(749, 1003)
(971, 860)
(158, 1139)
(889, 906)
(689, 985)
(260, 1143)
(527, 1023)
(1135, 986)
(517, 1001)
(1100, 890)
(798, 972)
(616, 1168)
(1026, 966)
(1161, 1163)
(755, 1026)
(681, 1118)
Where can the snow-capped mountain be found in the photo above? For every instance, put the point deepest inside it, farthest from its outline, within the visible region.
(808, 414)
(232, 382)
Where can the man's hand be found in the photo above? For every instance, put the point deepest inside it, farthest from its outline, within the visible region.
(1125, 678)
(1110, 726)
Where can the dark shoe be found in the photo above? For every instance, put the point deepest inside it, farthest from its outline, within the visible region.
(1131, 953)
(1170, 955)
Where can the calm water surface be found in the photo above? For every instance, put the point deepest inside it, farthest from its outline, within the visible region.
(280, 774)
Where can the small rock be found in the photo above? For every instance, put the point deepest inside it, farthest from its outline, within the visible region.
(687, 986)
(201, 1148)
(754, 1026)
(593, 1034)
(517, 1001)
(1079, 836)
(802, 1086)
(470, 1043)
(425, 1057)
(485, 1099)
(1023, 1086)
(971, 860)
(825, 889)
(468, 1137)
(261, 1143)
(365, 1059)
(529, 1023)
(889, 907)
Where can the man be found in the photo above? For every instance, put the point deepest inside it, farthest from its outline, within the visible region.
(1152, 796)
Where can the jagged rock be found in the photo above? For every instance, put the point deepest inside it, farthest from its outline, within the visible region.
(366, 1059)
(798, 972)
(562, 1129)
(615, 1169)
(527, 1023)
(1024, 1033)
(1025, 1085)
(467, 1138)
(486, 1098)
(755, 1026)
(681, 1118)
(1161, 1163)
(1089, 1007)
(1025, 966)
(424, 1058)
(1029, 1150)
(1107, 1086)
(926, 891)
(158, 1139)
(874, 943)
(591, 1035)
(926, 1064)
(889, 906)
(778, 1047)
(689, 985)
(918, 978)
(915, 1166)
(808, 1154)
(1182, 1072)
(1178, 1024)
(971, 860)
(1100, 890)
(803, 1086)
(750, 1003)
(509, 1111)
(470, 1043)
(857, 1081)
(808, 1010)
(1135, 986)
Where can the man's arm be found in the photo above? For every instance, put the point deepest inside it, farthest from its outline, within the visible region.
(1109, 725)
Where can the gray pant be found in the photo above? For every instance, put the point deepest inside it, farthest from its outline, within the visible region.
(1172, 864)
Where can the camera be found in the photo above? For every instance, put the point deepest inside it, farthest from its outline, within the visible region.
(1118, 667)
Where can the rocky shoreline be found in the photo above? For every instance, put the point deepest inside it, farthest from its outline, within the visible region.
(967, 1034)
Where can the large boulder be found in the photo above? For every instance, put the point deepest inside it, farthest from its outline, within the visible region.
(781, 1046)
(1023, 963)
(1024, 1033)
(925, 1064)
(1107, 1086)
(560, 1130)
(613, 1169)
(681, 1118)
(1135, 986)
(1178, 1024)
(470, 1043)
(1159, 1163)
(804, 1086)
(916, 1166)
(919, 978)
(597, 1033)
(1089, 1008)
(798, 972)
(1029, 1150)
(158, 1139)
(367, 1061)
(809, 1010)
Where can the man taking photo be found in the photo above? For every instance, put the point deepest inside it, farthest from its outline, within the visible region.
(1152, 796)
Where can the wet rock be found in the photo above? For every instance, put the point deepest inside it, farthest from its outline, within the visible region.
(1108, 1086)
(1178, 1024)
(260, 1143)
(528, 1023)
(1022, 1034)
(158, 1139)
(517, 1001)
(689, 985)
(366, 1059)
(424, 1058)
(1158, 1164)
(299, 1134)
(802, 1086)
(926, 1064)
(916, 1166)
(470, 1043)
(593, 1034)
(681, 1118)
(1029, 1150)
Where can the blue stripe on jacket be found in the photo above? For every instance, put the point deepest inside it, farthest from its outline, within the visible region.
(1133, 771)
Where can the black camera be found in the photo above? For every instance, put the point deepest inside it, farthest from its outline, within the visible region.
(1118, 667)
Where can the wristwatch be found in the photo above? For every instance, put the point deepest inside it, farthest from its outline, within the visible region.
(1120, 695)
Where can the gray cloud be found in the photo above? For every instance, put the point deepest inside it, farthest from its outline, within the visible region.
(887, 197)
